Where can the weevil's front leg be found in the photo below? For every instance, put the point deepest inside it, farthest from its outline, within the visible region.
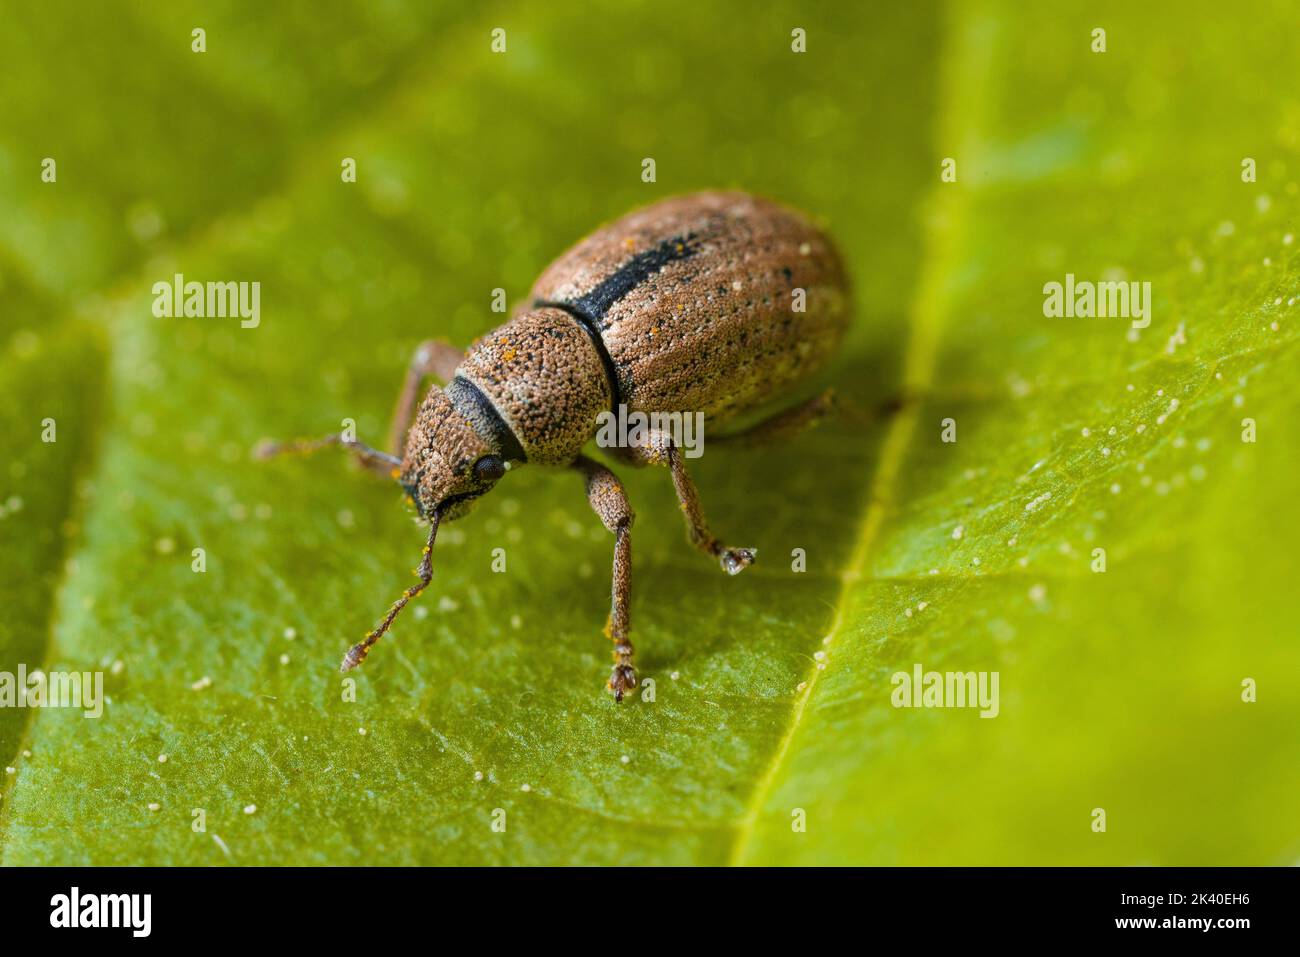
(373, 459)
(609, 501)
(660, 449)
(433, 357)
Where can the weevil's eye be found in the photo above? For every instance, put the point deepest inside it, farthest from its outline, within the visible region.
(489, 468)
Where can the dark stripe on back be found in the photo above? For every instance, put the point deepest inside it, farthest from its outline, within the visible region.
(592, 327)
(634, 272)
(589, 309)
(469, 400)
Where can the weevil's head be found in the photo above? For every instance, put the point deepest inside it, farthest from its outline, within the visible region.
(448, 463)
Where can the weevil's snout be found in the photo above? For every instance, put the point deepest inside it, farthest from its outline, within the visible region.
(448, 465)
(410, 485)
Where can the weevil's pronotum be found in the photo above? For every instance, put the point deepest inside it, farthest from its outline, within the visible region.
(714, 303)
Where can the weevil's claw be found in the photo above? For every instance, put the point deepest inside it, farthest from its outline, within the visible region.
(622, 681)
(265, 449)
(356, 654)
(736, 560)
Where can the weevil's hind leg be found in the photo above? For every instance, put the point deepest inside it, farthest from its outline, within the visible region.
(609, 501)
(784, 425)
(433, 357)
(357, 653)
(379, 462)
(660, 449)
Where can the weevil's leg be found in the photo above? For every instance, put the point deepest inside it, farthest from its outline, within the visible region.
(357, 653)
(883, 410)
(659, 449)
(791, 422)
(784, 425)
(373, 459)
(609, 502)
(433, 357)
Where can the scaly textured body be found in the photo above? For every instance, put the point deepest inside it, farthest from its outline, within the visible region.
(692, 300)
(693, 296)
(716, 303)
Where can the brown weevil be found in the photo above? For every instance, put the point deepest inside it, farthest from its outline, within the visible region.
(715, 303)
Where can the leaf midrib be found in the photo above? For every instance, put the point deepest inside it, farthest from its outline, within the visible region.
(926, 321)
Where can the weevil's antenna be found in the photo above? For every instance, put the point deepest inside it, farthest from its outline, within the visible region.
(373, 459)
(357, 653)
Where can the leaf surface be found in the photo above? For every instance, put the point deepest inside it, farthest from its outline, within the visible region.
(1118, 690)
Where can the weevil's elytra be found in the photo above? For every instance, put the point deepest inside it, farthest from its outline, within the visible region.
(692, 297)
(684, 306)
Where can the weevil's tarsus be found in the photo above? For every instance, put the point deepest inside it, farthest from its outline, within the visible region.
(357, 653)
(379, 462)
(609, 501)
(736, 560)
(622, 679)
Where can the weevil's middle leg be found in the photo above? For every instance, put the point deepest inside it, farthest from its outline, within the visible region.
(660, 449)
(609, 502)
(373, 459)
(732, 560)
(433, 357)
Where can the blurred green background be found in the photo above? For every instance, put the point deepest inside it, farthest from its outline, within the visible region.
(1119, 690)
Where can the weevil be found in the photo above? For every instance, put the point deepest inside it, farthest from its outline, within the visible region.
(717, 303)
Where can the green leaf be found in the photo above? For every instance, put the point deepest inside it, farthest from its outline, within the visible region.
(1119, 690)
(47, 438)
